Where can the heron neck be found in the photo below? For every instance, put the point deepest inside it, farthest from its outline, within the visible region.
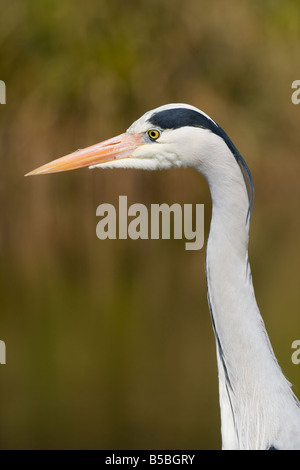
(249, 376)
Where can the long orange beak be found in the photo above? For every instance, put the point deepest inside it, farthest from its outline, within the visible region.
(118, 147)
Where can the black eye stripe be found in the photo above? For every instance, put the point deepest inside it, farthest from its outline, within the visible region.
(175, 118)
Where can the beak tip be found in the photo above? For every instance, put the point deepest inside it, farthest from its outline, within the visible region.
(32, 173)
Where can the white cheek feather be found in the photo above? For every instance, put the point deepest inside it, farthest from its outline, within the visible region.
(154, 163)
(129, 163)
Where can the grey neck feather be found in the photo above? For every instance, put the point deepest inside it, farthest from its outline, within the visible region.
(253, 390)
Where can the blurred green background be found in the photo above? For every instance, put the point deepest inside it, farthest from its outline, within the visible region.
(109, 343)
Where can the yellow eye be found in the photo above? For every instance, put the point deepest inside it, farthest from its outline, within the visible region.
(153, 134)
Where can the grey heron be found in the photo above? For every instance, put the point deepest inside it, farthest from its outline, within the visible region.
(258, 407)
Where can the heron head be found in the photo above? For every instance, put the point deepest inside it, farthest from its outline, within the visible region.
(174, 135)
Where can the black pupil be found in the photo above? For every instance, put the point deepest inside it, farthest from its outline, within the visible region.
(153, 134)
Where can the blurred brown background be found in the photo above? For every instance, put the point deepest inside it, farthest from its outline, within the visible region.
(109, 343)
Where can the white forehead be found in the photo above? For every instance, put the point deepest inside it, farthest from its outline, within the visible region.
(142, 124)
